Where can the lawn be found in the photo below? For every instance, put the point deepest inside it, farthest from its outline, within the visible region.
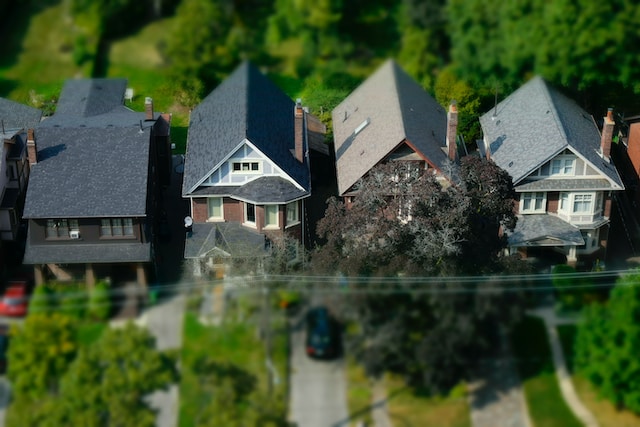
(406, 406)
(37, 56)
(605, 412)
(232, 342)
(533, 355)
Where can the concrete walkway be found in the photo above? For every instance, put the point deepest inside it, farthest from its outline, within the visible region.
(380, 411)
(164, 321)
(551, 321)
(496, 398)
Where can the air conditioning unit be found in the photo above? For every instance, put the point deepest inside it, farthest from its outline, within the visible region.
(74, 234)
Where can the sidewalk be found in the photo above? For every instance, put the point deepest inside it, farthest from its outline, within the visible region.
(496, 398)
(551, 321)
(164, 321)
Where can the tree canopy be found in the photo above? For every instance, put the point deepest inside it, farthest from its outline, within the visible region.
(608, 344)
(403, 220)
(404, 223)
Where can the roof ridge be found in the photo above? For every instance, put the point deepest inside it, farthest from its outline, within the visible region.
(553, 108)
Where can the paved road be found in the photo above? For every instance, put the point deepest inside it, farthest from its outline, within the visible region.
(318, 388)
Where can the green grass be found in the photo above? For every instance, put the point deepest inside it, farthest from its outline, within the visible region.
(546, 404)
(406, 406)
(231, 342)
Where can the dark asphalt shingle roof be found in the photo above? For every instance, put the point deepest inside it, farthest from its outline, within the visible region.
(264, 190)
(540, 228)
(79, 253)
(247, 105)
(229, 238)
(397, 109)
(89, 172)
(15, 116)
(534, 124)
(90, 97)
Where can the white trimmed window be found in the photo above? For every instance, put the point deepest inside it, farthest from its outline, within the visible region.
(583, 203)
(250, 213)
(533, 202)
(292, 213)
(563, 165)
(271, 216)
(214, 209)
(246, 167)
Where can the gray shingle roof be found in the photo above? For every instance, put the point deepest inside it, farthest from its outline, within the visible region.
(90, 97)
(397, 109)
(247, 105)
(93, 155)
(79, 253)
(542, 228)
(15, 116)
(565, 185)
(537, 122)
(89, 172)
(228, 237)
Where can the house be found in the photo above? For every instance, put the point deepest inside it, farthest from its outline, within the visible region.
(561, 168)
(246, 170)
(390, 117)
(15, 119)
(92, 203)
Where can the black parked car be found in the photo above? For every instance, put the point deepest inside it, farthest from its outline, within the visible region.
(323, 334)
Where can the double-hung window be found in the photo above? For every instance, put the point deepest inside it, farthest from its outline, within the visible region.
(563, 165)
(292, 213)
(250, 213)
(583, 203)
(271, 216)
(214, 208)
(533, 202)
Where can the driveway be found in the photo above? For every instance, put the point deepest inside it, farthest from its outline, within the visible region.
(318, 388)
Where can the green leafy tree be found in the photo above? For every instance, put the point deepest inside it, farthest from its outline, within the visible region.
(581, 45)
(107, 383)
(42, 300)
(99, 301)
(40, 352)
(608, 344)
(403, 222)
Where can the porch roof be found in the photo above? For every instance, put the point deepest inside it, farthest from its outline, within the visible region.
(544, 230)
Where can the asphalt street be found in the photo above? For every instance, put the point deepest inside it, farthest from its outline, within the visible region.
(318, 387)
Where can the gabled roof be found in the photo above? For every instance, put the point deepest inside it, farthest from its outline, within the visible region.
(534, 124)
(90, 97)
(247, 105)
(15, 116)
(87, 144)
(389, 107)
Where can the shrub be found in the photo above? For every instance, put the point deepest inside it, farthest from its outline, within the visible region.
(41, 300)
(99, 302)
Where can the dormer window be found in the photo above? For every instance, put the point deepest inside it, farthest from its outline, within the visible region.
(563, 165)
(246, 167)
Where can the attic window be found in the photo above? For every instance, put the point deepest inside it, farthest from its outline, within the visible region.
(362, 126)
(246, 167)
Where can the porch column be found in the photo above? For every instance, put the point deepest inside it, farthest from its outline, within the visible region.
(89, 276)
(572, 258)
(141, 275)
(37, 274)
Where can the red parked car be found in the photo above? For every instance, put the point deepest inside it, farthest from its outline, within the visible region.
(15, 300)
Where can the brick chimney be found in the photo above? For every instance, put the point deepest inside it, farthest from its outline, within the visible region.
(452, 130)
(148, 108)
(32, 149)
(298, 123)
(607, 135)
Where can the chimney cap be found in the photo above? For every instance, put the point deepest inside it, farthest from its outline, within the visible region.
(453, 105)
(148, 100)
